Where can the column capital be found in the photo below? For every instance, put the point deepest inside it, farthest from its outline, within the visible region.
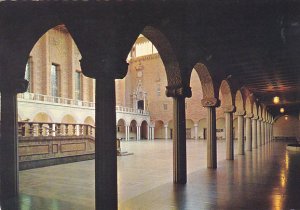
(166, 125)
(195, 124)
(249, 115)
(210, 102)
(178, 92)
(105, 68)
(255, 118)
(240, 113)
(13, 85)
(228, 109)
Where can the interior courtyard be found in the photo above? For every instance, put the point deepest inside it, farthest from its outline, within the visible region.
(149, 105)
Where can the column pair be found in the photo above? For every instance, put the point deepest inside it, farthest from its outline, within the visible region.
(241, 145)
(248, 132)
(211, 104)
(196, 131)
(228, 112)
(254, 132)
(259, 143)
(127, 132)
(138, 133)
(166, 131)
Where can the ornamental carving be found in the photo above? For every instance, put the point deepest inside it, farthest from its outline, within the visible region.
(210, 102)
(240, 113)
(228, 109)
(184, 92)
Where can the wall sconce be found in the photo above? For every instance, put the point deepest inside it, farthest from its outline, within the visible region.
(281, 110)
(276, 100)
(286, 117)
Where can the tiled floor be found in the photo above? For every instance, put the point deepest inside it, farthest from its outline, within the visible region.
(267, 178)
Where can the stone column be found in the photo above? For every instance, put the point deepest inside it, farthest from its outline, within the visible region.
(271, 132)
(105, 147)
(196, 131)
(152, 132)
(262, 130)
(254, 133)
(248, 132)
(229, 132)
(126, 133)
(105, 71)
(148, 132)
(267, 132)
(166, 131)
(211, 104)
(241, 147)
(258, 132)
(179, 132)
(9, 164)
(138, 133)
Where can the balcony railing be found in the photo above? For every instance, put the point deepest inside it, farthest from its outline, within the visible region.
(54, 99)
(39, 129)
(72, 102)
(131, 110)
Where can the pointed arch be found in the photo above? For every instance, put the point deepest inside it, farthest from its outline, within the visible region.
(208, 87)
(239, 102)
(166, 53)
(226, 95)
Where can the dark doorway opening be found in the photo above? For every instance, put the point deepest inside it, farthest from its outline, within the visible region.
(140, 104)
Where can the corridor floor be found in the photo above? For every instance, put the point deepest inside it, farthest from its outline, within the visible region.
(266, 178)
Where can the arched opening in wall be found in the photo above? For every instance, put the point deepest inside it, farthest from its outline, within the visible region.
(220, 124)
(89, 120)
(67, 125)
(159, 130)
(56, 86)
(202, 128)
(170, 129)
(41, 117)
(133, 130)
(121, 133)
(235, 128)
(41, 125)
(190, 129)
(194, 108)
(144, 130)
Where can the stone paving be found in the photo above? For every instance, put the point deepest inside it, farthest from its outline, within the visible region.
(263, 179)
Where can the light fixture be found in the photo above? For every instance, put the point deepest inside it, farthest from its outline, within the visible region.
(281, 110)
(286, 117)
(276, 100)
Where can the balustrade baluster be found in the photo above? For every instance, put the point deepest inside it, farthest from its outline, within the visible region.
(31, 129)
(66, 129)
(40, 129)
(74, 130)
(58, 128)
(20, 125)
(50, 131)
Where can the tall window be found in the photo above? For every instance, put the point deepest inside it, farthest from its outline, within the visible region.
(78, 86)
(54, 80)
(28, 74)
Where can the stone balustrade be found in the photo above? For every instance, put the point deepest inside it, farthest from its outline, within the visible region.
(34, 129)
